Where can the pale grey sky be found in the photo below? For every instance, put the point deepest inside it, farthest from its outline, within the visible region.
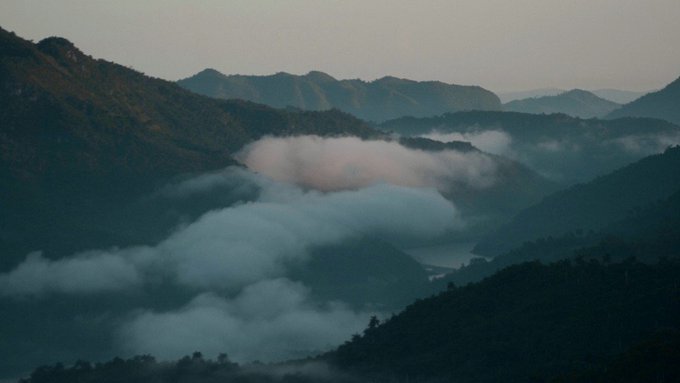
(499, 44)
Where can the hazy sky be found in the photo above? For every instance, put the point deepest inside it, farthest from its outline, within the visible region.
(499, 44)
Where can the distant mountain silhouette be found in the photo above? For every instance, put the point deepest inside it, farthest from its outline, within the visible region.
(577, 103)
(664, 104)
(614, 95)
(591, 206)
(519, 95)
(379, 100)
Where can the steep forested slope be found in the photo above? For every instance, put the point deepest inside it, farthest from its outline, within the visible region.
(528, 322)
(663, 104)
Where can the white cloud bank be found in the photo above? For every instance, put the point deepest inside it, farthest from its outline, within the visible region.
(229, 248)
(330, 164)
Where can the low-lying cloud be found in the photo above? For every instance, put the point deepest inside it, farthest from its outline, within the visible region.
(330, 164)
(85, 273)
(229, 248)
(268, 321)
(645, 144)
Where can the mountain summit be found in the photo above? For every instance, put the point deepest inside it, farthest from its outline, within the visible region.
(576, 103)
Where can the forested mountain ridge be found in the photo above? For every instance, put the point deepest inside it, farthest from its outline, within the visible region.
(576, 102)
(379, 100)
(53, 91)
(529, 322)
(80, 138)
(663, 104)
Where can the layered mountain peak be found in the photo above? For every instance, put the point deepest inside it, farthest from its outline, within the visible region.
(63, 50)
(579, 93)
(209, 72)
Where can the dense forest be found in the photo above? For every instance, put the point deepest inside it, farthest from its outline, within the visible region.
(570, 321)
(529, 321)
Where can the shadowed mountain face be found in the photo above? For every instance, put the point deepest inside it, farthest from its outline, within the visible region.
(379, 100)
(591, 206)
(663, 104)
(577, 103)
(80, 138)
(560, 147)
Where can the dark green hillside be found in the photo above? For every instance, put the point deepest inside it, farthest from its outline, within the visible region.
(663, 104)
(577, 103)
(653, 360)
(526, 323)
(80, 138)
(379, 100)
(591, 206)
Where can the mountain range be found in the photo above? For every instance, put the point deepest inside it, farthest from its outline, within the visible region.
(379, 100)
(85, 141)
(81, 138)
(114, 174)
(89, 149)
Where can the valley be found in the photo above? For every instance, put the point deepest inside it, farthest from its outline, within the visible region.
(224, 227)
